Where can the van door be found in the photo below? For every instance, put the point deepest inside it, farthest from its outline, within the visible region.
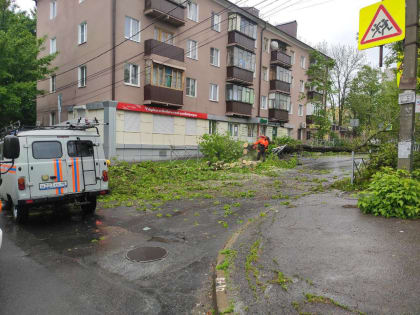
(47, 168)
(82, 165)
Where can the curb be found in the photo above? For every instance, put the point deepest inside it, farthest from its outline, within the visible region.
(221, 296)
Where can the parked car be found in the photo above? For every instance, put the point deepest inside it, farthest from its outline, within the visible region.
(52, 165)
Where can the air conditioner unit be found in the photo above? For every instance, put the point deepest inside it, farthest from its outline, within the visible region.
(303, 125)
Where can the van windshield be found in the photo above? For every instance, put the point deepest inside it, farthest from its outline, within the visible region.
(80, 148)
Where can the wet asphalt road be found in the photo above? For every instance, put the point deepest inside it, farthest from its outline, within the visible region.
(69, 264)
(327, 247)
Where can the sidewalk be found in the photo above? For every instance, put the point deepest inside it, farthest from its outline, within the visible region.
(325, 257)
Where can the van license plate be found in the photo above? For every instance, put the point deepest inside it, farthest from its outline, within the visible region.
(54, 185)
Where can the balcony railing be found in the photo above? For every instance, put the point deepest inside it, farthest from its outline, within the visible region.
(153, 46)
(315, 96)
(281, 58)
(158, 95)
(165, 10)
(238, 75)
(236, 38)
(281, 86)
(310, 119)
(280, 115)
(235, 108)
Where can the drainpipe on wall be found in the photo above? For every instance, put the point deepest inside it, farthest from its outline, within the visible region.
(260, 76)
(113, 23)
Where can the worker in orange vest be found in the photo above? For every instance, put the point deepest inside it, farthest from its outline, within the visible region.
(262, 144)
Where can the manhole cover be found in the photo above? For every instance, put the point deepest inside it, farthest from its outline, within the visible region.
(146, 254)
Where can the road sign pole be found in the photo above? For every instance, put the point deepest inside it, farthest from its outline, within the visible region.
(408, 87)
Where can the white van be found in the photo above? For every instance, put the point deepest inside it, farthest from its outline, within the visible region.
(52, 165)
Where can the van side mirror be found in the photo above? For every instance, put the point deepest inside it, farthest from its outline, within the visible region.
(11, 147)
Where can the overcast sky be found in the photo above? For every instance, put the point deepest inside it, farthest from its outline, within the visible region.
(334, 21)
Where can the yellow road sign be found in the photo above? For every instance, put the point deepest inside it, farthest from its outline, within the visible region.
(381, 23)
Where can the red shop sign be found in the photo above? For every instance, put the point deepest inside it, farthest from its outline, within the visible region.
(160, 111)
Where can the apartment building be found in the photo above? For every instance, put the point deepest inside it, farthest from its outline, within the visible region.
(164, 72)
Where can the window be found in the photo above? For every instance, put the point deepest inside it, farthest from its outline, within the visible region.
(278, 101)
(82, 76)
(46, 150)
(274, 132)
(132, 29)
(293, 57)
(192, 9)
(263, 102)
(281, 74)
(192, 49)
(80, 1)
(215, 22)
(303, 62)
(212, 127)
(233, 129)
(53, 45)
(53, 84)
(302, 86)
(215, 57)
(164, 36)
(214, 92)
(160, 75)
(191, 87)
(251, 130)
(266, 45)
(263, 130)
(163, 124)
(190, 127)
(132, 121)
(239, 23)
(300, 110)
(290, 109)
(239, 93)
(81, 148)
(82, 33)
(241, 58)
(53, 9)
(265, 73)
(52, 118)
(131, 74)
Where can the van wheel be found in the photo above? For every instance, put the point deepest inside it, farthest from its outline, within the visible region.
(20, 214)
(90, 207)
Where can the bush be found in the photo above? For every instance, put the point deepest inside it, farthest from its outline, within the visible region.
(218, 147)
(392, 194)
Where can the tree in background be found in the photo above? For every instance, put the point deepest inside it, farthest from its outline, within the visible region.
(373, 100)
(348, 61)
(20, 67)
(320, 83)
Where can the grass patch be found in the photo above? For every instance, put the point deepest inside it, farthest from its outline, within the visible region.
(281, 280)
(229, 260)
(250, 269)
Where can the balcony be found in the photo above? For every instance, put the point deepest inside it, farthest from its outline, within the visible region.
(315, 96)
(165, 10)
(157, 95)
(153, 46)
(278, 57)
(279, 115)
(238, 75)
(239, 39)
(310, 119)
(235, 108)
(280, 86)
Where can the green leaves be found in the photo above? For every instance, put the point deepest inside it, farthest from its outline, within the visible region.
(21, 65)
(222, 148)
(392, 194)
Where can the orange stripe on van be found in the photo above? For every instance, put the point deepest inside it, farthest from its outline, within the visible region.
(73, 170)
(61, 175)
(55, 174)
(77, 174)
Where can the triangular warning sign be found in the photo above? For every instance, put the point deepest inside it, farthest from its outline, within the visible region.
(382, 26)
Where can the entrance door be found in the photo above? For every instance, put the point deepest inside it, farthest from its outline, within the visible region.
(47, 168)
